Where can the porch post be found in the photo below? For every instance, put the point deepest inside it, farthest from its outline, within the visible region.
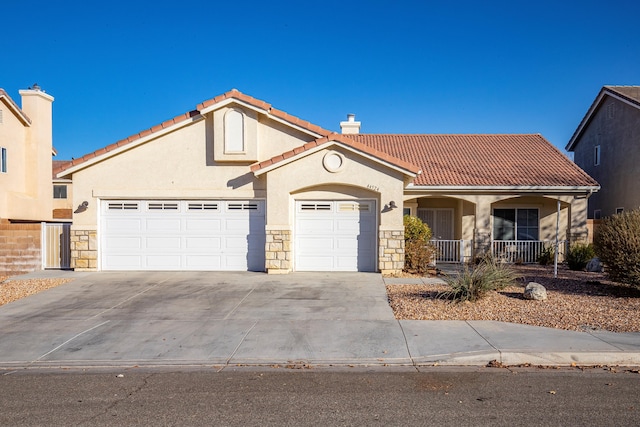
(483, 226)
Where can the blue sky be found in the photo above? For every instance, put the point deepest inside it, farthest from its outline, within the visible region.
(119, 67)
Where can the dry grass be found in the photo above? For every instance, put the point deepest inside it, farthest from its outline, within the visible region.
(576, 301)
(16, 289)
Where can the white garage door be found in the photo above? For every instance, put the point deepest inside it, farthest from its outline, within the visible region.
(182, 235)
(335, 236)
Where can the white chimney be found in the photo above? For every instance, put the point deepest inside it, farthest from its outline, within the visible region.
(350, 127)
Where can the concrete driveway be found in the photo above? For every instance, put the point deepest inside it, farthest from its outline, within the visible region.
(203, 318)
(221, 319)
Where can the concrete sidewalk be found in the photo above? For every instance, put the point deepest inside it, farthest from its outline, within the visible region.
(219, 319)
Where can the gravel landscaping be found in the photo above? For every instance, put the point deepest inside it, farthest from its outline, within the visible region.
(15, 289)
(576, 301)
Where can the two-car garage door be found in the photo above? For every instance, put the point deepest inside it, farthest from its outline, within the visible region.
(182, 235)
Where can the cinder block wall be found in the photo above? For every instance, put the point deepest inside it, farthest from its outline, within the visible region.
(20, 247)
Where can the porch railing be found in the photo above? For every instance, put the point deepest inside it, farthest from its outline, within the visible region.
(453, 251)
(525, 251)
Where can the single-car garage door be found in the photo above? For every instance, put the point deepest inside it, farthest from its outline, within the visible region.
(335, 235)
(182, 235)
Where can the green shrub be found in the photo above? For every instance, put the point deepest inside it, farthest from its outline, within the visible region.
(547, 256)
(418, 252)
(618, 246)
(474, 283)
(579, 255)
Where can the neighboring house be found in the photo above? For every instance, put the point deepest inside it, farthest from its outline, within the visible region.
(239, 185)
(62, 192)
(606, 145)
(25, 178)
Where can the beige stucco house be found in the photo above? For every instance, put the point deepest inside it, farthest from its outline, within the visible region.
(26, 192)
(239, 185)
(606, 146)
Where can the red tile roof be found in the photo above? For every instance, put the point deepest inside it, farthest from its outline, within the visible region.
(481, 160)
(58, 166)
(344, 140)
(232, 94)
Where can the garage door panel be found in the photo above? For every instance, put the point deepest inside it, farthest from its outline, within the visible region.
(203, 262)
(121, 243)
(319, 262)
(311, 244)
(163, 243)
(124, 224)
(164, 225)
(346, 263)
(163, 262)
(123, 262)
(237, 225)
(203, 225)
(207, 243)
(175, 235)
(315, 225)
(237, 244)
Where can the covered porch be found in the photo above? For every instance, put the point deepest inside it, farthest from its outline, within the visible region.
(516, 228)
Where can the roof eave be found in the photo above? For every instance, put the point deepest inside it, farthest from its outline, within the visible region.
(410, 173)
(506, 188)
(127, 146)
(605, 91)
(21, 115)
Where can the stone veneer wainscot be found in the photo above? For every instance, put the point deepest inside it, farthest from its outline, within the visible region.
(278, 251)
(84, 250)
(391, 251)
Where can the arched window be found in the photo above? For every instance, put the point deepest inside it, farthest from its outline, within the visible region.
(234, 132)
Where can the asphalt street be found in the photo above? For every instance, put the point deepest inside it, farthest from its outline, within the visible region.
(281, 396)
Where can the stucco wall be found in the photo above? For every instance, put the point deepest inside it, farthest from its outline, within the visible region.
(367, 178)
(25, 189)
(178, 165)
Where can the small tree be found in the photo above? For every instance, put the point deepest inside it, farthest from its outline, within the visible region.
(618, 246)
(418, 252)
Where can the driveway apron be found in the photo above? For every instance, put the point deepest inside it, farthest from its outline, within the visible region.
(204, 318)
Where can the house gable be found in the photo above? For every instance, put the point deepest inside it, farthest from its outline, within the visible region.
(214, 109)
(629, 95)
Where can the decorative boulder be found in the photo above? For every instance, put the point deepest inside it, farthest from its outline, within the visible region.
(535, 291)
(594, 265)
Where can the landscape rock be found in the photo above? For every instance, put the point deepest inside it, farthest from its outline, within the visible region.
(535, 291)
(595, 266)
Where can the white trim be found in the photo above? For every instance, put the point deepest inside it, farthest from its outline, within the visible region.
(489, 188)
(21, 115)
(326, 145)
(41, 93)
(130, 145)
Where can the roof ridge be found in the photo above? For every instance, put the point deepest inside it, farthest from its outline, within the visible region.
(231, 94)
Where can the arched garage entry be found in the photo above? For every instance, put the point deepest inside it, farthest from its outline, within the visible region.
(335, 229)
